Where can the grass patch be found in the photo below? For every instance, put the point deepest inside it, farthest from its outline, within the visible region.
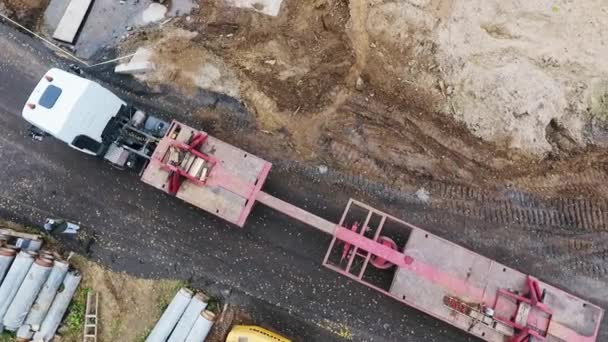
(164, 301)
(7, 337)
(142, 337)
(214, 305)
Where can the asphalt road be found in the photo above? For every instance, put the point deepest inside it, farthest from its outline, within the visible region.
(273, 264)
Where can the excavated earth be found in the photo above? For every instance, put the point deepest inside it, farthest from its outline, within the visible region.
(370, 90)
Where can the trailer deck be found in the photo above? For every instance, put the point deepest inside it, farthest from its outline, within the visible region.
(206, 172)
(481, 296)
(476, 294)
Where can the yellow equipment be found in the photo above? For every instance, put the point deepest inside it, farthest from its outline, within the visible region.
(252, 333)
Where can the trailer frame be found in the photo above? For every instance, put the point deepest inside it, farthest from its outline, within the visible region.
(476, 294)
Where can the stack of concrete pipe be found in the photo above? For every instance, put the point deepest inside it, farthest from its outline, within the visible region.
(184, 320)
(35, 291)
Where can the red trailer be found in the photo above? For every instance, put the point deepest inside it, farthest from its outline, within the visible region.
(478, 295)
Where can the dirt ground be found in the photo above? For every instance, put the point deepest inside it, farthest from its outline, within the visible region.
(129, 306)
(367, 88)
(402, 91)
(26, 11)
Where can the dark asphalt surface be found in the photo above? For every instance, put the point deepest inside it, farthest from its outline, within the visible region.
(274, 260)
(273, 264)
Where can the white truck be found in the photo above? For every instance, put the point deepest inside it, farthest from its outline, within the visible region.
(91, 119)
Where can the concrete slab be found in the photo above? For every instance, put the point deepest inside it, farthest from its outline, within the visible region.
(155, 12)
(140, 63)
(268, 7)
(72, 19)
(134, 68)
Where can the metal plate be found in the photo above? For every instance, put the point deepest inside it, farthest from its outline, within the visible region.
(231, 186)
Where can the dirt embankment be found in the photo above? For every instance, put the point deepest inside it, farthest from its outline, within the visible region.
(26, 11)
(398, 91)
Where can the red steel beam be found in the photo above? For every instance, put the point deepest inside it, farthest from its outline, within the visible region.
(296, 213)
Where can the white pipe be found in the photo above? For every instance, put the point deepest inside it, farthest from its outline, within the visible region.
(28, 291)
(7, 255)
(186, 322)
(25, 333)
(13, 280)
(170, 317)
(59, 307)
(201, 327)
(47, 294)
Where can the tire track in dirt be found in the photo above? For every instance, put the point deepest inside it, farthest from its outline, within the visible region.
(501, 206)
(586, 254)
(509, 206)
(592, 182)
(567, 231)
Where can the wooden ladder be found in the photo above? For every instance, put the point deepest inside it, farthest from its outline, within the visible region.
(90, 317)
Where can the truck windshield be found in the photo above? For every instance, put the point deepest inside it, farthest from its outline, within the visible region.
(50, 96)
(86, 143)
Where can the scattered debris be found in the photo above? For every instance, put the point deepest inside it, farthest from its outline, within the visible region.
(140, 63)
(154, 13)
(25, 241)
(268, 7)
(60, 226)
(423, 195)
(359, 84)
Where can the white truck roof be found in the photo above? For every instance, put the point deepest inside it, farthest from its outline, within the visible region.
(66, 106)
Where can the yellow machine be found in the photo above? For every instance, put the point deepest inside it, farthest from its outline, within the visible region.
(252, 333)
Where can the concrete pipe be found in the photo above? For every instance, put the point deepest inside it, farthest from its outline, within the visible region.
(46, 254)
(25, 297)
(186, 322)
(25, 332)
(28, 244)
(21, 265)
(201, 327)
(47, 294)
(58, 307)
(170, 317)
(7, 255)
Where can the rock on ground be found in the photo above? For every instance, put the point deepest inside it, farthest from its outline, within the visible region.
(155, 12)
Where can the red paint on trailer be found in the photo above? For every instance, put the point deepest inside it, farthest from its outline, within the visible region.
(440, 278)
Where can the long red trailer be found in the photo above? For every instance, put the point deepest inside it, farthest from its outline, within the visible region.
(476, 294)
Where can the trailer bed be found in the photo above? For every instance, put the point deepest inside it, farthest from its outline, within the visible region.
(476, 294)
(452, 271)
(234, 177)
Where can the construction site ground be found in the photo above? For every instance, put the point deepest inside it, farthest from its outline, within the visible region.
(130, 306)
(396, 103)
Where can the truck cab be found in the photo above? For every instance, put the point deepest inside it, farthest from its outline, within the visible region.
(72, 109)
(91, 119)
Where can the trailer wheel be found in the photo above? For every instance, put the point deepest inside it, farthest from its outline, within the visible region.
(381, 263)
